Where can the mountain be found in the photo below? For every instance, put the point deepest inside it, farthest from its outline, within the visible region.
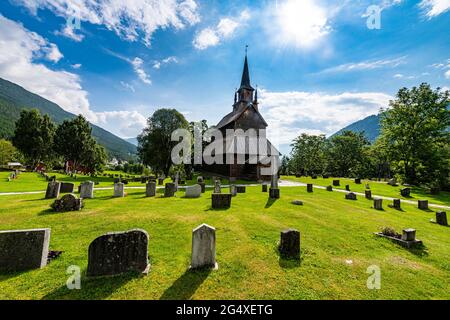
(370, 126)
(14, 98)
(133, 141)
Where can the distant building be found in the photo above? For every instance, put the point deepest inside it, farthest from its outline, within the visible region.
(245, 116)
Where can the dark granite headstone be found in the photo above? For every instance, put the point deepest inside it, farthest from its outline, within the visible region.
(22, 250)
(397, 204)
(66, 187)
(221, 200)
(330, 188)
(170, 190)
(203, 186)
(422, 204)
(290, 244)
(336, 183)
(378, 203)
(264, 188)
(405, 192)
(309, 187)
(240, 189)
(350, 196)
(368, 194)
(347, 187)
(274, 193)
(53, 189)
(441, 218)
(160, 181)
(409, 235)
(357, 181)
(68, 202)
(117, 253)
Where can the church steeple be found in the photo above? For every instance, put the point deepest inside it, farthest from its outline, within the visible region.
(246, 89)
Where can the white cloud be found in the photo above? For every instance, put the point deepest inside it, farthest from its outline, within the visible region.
(18, 64)
(157, 64)
(433, 8)
(137, 64)
(316, 112)
(126, 124)
(226, 28)
(367, 65)
(131, 20)
(127, 86)
(447, 74)
(76, 66)
(69, 32)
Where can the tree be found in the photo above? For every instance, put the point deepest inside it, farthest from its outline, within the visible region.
(33, 136)
(308, 155)
(415, 133)
(346, 154)
(8, 152)
(74, 142)
(155, 143)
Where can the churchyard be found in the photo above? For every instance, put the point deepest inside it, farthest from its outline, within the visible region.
(338, 242)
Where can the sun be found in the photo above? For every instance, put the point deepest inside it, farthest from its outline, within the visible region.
(301, 22)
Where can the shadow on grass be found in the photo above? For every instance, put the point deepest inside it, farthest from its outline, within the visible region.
(287, 262)
(270, 202)
(48, 211)
(419, 251)
(92, 288)
(186, 285)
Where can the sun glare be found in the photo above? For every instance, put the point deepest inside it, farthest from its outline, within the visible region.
(301, 22)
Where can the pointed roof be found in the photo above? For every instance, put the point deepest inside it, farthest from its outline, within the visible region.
(245, 82)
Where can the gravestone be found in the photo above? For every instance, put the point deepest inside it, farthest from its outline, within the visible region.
(325, 176)
(119, 190)
(240, 189)
(392, 182)
(367, 186)
(297, 202)
(221, 201)
(68, 202)
(199, 179)
(441, 218)
(405, 192)
(264, 188)
(314, 177)
(117, 253)
(66, 187)
(22, 250)
(409, 235)
(87, 190)
(204, 247)
(336, 183)
(358, 181)
(309, 187)
(330, 188)
(160, 181)
(350, 196)
(150, 189)
(217, 188)
(274, 191)
(193, 191)
(170, 189)
(397, 204)
(347, 187)
(422, 204)
(378, 203)
(53, 189)
(368, 194)
(290, 244)
(233, 190)
(203, 186)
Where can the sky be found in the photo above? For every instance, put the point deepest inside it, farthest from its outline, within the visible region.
(319, 65)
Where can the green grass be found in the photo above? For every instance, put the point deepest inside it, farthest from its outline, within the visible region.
(333, 230)
(378, 188)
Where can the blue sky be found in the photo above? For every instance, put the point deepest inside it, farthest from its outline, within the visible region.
(316, 63)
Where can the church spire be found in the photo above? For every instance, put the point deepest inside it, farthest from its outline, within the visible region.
(245, 82)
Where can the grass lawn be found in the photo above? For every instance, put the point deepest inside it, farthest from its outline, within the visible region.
(333, 231)
(378, 188)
